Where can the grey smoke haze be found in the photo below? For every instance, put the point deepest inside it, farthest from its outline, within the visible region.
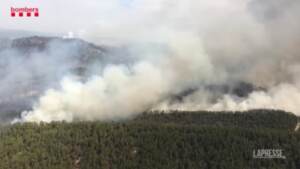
(178, 46)
(30, 66)
(26, 74)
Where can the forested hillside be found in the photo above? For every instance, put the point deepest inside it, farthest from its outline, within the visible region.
(187, 140)
(274, 119)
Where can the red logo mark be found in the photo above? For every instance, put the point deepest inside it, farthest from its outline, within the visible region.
(24, 11)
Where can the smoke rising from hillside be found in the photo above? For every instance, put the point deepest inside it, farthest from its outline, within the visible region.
(186, 45)
(121, 91)
(25, 74)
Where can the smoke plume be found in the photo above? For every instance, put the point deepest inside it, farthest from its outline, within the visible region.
(184, 46)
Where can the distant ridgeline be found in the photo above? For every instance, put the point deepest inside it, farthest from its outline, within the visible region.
(156, 140)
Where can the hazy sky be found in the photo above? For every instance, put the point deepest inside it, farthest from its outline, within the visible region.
(62, 16)
(121, 18)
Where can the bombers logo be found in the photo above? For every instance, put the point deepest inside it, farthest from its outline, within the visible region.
(24, 12)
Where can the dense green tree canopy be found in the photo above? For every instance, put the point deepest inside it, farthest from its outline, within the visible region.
(186, 140)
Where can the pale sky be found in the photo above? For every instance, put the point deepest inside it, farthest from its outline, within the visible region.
(128, 19)
(61, 16)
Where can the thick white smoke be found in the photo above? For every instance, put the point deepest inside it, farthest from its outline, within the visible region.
(183, 45)
(116, 94)
(282, 97)
(121, 91)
